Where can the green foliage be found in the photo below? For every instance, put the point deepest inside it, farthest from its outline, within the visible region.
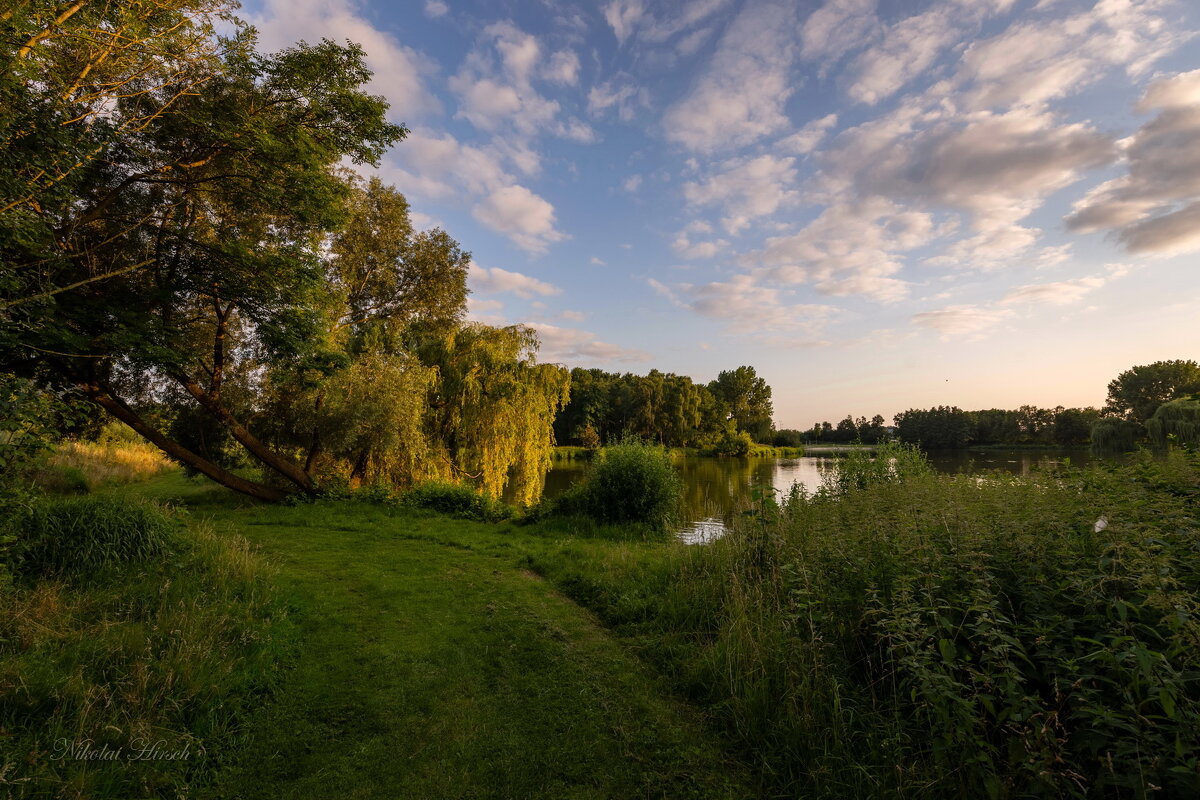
(938, 636)
(1176, 422)
(734, 444)
(937, 428)
(492, 409)
(1112, 435)
(57, 479)
(456, 500)
(179, 650)
(859, 469)
(747, 399)
(1137, 392)
(82, 535)
(631, 482)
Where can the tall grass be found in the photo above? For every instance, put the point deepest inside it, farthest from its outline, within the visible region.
(922, 635)
(80, 535)
(108, 461)
(167, 653)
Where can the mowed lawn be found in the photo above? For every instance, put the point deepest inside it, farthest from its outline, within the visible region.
(430, 664)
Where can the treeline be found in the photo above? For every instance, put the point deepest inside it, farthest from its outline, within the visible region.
(727, 415)
(951, 427)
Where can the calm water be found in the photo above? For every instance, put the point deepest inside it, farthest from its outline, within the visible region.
(715, 488)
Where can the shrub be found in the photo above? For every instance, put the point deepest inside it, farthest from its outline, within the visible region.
(858, 469)
(632, 482)
(456, 500)
(79, 535)
(731, 444)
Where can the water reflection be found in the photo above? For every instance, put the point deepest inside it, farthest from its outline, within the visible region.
(715, 489)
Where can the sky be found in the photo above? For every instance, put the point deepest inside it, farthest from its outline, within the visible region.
(878, 204)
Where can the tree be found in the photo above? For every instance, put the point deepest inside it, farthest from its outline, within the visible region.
(935, 428)
(492, 408)
(1073, 426)
(747, 399)
(1176, 421)
(190, 242)
(1137, 392)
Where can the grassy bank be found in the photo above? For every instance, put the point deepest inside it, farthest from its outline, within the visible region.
(155, 663)
(939, 636)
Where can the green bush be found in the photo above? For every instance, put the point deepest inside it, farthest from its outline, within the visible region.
(632, 482)
(79, 535)
(456, 500)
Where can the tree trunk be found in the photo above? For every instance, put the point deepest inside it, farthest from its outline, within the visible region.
(117, 407)
(283, 466)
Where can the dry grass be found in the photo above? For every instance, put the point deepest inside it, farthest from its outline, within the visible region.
(107, 463)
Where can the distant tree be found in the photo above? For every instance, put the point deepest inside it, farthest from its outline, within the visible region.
(787, 437)
(1137, 392)
(846, 430)
(943, 427)
(748, 400)
(1073, 426)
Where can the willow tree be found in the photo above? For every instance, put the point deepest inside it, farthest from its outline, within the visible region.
(1176, 422)
(183, 227)
(1115, 435)
(359, 414)
(363, 423)
(492, 409)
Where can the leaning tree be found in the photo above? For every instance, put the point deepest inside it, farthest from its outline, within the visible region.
(168, 194)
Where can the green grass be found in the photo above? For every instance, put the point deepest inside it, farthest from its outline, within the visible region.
(901, 634)
(432, 663)
(170, 651)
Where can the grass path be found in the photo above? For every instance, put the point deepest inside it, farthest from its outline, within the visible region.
(431, 665)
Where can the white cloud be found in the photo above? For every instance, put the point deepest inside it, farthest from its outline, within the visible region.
(836, 28)
(563, 68)
(618, 93)
(496, 280)
(435, 8)
(573, 316)
(1155, 207)
(597, 262)
(1059, 293)
(960, 321)
(908, 49)
(849, 249)
(742, 95)
(570, 345)
(806, 140)
(496, 92)
(521, 215)
(746, 190)
(693, 250)
(630, 18)
(622, 16)
(748, 307)
(1043, 58)
(485, 311)
(399, 72)
(632, 183)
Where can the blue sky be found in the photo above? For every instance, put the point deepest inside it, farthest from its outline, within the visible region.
(879, 204)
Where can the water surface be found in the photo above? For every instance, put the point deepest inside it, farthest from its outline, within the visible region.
(717, 488)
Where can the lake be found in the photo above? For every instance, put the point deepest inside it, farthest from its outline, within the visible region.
(716, 488)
